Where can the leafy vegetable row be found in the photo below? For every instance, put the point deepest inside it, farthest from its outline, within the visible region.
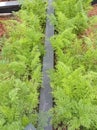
(74, 80)
(20, 66)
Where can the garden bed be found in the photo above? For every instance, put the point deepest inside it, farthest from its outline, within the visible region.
(20, 66)
(74, 78)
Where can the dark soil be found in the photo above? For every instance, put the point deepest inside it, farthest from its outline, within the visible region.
(61, 129)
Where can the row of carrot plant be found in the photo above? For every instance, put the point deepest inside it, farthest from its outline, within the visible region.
(20, 66)
(74, 79)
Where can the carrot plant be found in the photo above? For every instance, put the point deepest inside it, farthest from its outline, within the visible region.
(72, 13)
(20, 67)
(75, 97)
(74, 80)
